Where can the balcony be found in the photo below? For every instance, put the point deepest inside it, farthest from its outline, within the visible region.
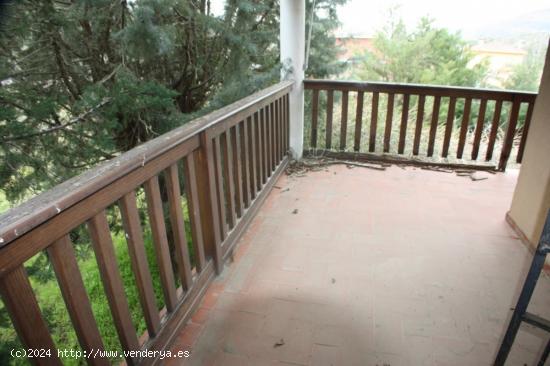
(402, 264)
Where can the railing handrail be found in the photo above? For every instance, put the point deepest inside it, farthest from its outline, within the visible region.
(426, 89)
(30, 214)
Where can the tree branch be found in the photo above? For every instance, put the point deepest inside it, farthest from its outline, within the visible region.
(59, 127)
(62, 69)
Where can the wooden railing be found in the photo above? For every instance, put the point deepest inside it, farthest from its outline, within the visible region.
(462, 104)
(230, 159)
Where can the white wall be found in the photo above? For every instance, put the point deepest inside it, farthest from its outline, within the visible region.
(531, 200)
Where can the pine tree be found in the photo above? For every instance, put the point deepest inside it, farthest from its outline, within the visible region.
(426, 55)
(82, 81)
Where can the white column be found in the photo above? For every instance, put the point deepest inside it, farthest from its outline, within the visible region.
(292, 38)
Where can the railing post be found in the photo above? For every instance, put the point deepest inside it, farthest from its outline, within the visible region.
(207, 194)
(510, 133)
(292, 38)
(21, 304)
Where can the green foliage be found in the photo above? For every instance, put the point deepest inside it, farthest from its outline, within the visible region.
(426, 55)
(4, 204)
(322, 60)
(84, 81)
(527, 74)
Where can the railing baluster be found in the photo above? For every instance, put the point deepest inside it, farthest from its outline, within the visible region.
(178, 227)
(344, 121)
(265, 147)
(112, 283)
(284, 121)
(206, 168)
(525, 131)
(260, 131)
(449, 127)
(138, 261)
(494, 130)
(158, 229)
(276, 133)
(285, 125)
(218, 176)
(237, 168)
(26, 316)
(267, 139)
(419, 123)
(280, 126)
(260, 146)
(479, 128)
(314, 117)
(389, 121)
(254, 161)
(510, 133)
(264, 135)
(273, 138)
(330, 106)
(358, 121)
(404, 120)
(245, 162)
(433, 125)
(191, 191)
(63, 259)
(373, 121)
(464, 127)
(287, 122)
(227, 174)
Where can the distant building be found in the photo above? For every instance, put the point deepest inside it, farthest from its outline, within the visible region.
(502, 58)
(351, 46)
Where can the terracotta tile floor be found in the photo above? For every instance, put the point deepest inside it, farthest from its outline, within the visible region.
(395, 267)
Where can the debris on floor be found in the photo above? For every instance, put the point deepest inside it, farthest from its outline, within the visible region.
(474, 175)
(478, 176)
(279, 343)
(295, 211)
(300, 168)
(351, 164)
(436, 169)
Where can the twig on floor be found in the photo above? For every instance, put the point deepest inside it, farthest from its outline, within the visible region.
(279, 343)
(436, 169)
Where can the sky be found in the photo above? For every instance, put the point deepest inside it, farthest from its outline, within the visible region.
(363, 17)
(473, 18)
